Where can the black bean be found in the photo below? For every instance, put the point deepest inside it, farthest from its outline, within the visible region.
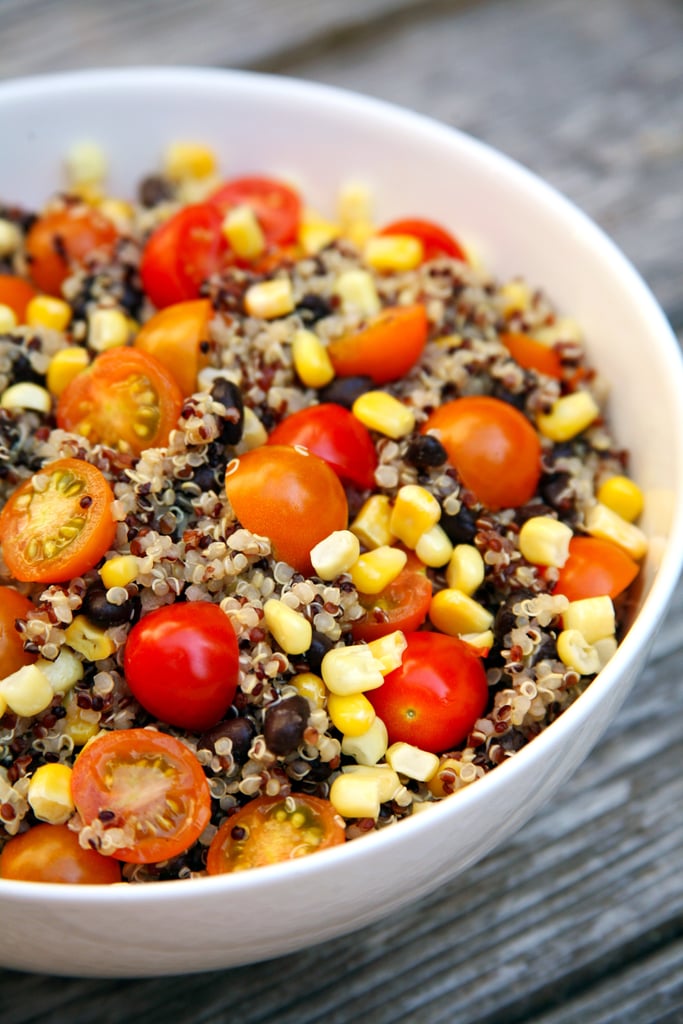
(241, 731)
(512, 398)
(345, 390)
(205, 478)
(312, 308)
(103, 612)
(425, 451)
(154, 190)
(320, 645)
(232, 420)
(284, 724)
(22, 371)
(460, 528)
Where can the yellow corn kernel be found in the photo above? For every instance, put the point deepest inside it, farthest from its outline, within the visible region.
(316, 233)
(516, 296)
(568, 416)
(575, 652)
(64, 366)
(356, 289)
(10, 237)
(335, 554)
(254, 434)
(415, 511)
(354, 203)
(107, 328)
(564, 329)
(480, 641)
(371, 525)
(436, 784)
(352, 714)
(8, 319)
(393, 252)
(622, 496)
(80, 724)
(27, 691)
(118, 211)
(89, 640)
(119, 571)
(455, 613)
(466, 569)
(593, 617)
(380, 411)
(411, 761)
(545, 541)
(46, 311)
(355, 796)
(602, 522)
(290, 628)
(311, 360)
(606, 648)
(385, 777)
(3, 705)
(388, 650)
(270, 299)
(359, 232)
(434, 547)
(347, 670)
(64, 672)
(26, 395)
(49, 793)
(244, 233)
(376, 569)
(310, 686)
(368, 748)
(189, 160)
(86, 163)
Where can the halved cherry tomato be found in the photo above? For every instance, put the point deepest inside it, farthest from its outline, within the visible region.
(13, 606)
(148, 783)
(386, 349)
(52, 853)
(271, 829)
(435, 239)
(58, 524)
(402, 605)
(125, 399)
(492, 445)
(182, 253)
(16, 293)
(182, 664)
(174, 336)
(436, 695)
(62, 239)
(276, 205)
(288, 495)
(335, 435)
(532, 354)
(595, 567)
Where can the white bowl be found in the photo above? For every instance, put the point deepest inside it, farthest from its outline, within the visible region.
(323, 137)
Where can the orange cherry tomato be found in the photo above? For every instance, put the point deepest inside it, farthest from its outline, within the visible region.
(52, 853)
(288, 495)
(182, 253)
(174, 336)
(532, 354)
(125, 399)
(595, 567)
(435, 239)
(492, 445)
(62, 239)
(148, 783)
(16, 293)
(13, 606)
(58, 524)
(276, 205)
(386, 349)
(333, 433)
(272, 829)
(403, 605)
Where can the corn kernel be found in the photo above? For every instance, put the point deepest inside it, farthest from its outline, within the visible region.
(545, 541)
(455, 613)
(388, 650)
(8, 319)
(368, 748)
(291, 629)
(359, 232)
(311, 360)
(355, 796)
(434, 547)
(86, 163)
(335, 554)
(380, 411)
(415, 511)
(316, 233)
(516, 296)
(593, 617)
(347, 670)
(49, 793)
(64, 672)
(89, 640)
(437, 784)
(310, 686)
(481, 642)
(466, 569)
(622, 496)
(64, 366)
(27, 691)
(394, 252)
(385, 777)
(80, 724)
(568, 416)
(254, 434)
(575, 652)
(107, 328)
(602, 522)
(356, 289)
(243, 232)
(606, 648)
(564, 329)
(376, 569)
(118, 211)
(46, 311)
(119, 571)
(412, 761)
(26, 395)
(270, 299)
(371, 525)
(10, 237)
(352, 714)
(354, 203)
(189, 160)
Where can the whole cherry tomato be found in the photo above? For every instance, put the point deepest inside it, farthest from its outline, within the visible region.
(52, 853)
(532, 354)
(595, 567)
(435, 239)
(16, 293)
(386, 348)
(403, 605)
(61, 240)
(182, 253)
(335, 435)
(276, 205)
(174, 336)
(13, 606)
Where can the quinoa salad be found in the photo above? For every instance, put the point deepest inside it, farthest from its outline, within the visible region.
(307, 522)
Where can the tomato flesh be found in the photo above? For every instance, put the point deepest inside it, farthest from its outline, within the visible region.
(595, 567)
(403, 605)
(52, 853)
(436, 241)
(13, 606)
(533, 355)
(16, 293)
(335, 435)
(174, 336)
(386, 349)
(63, 239)
(182, 254)
(276, 205)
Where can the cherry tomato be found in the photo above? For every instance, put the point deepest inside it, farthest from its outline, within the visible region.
(595, 567)
(402, 605)
(182, 664)
(13, 606)
(150, 784)
(62, 239)
(174, 336)
(16, 293)
(435, 239)
(272, 829)
(276, 205)
(335, 435)
(58, 524)
(436, 695)
(52, 853)
(532, 354)
(288, 495)
(492, 445)
(182, 253)
(386, 349)
(125, 399)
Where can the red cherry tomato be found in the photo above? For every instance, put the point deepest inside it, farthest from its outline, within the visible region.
(492, 445)
(16, 293)
(182, 253)
(52, 853)
(288, 495)
(272, 829)
(532, 354)
(435, 239)
(335, 435)
(148, 783)
(595, 567)
(62, 239)
(386, 349)
(182, 664)
(13, 606)
(276, 205)
(436, 695)
(174, 336)
(402, 605)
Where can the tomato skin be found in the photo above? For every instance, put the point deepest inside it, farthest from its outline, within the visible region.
(595, 567)
(386, 348)
(288, 495)
(405, 604)
(335, 435)
(492, 445)
(16, 293)
(435, 239)
(182, 664)
(532, 355)
(173, 336)
(141, 775)
(276, 205)
(13, 606)
(436, 695)
(254, 837)
(31, 520)
(52, 853)
(182, 253)
(61, 238)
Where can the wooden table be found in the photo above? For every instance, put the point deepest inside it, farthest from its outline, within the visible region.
(580, 916)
